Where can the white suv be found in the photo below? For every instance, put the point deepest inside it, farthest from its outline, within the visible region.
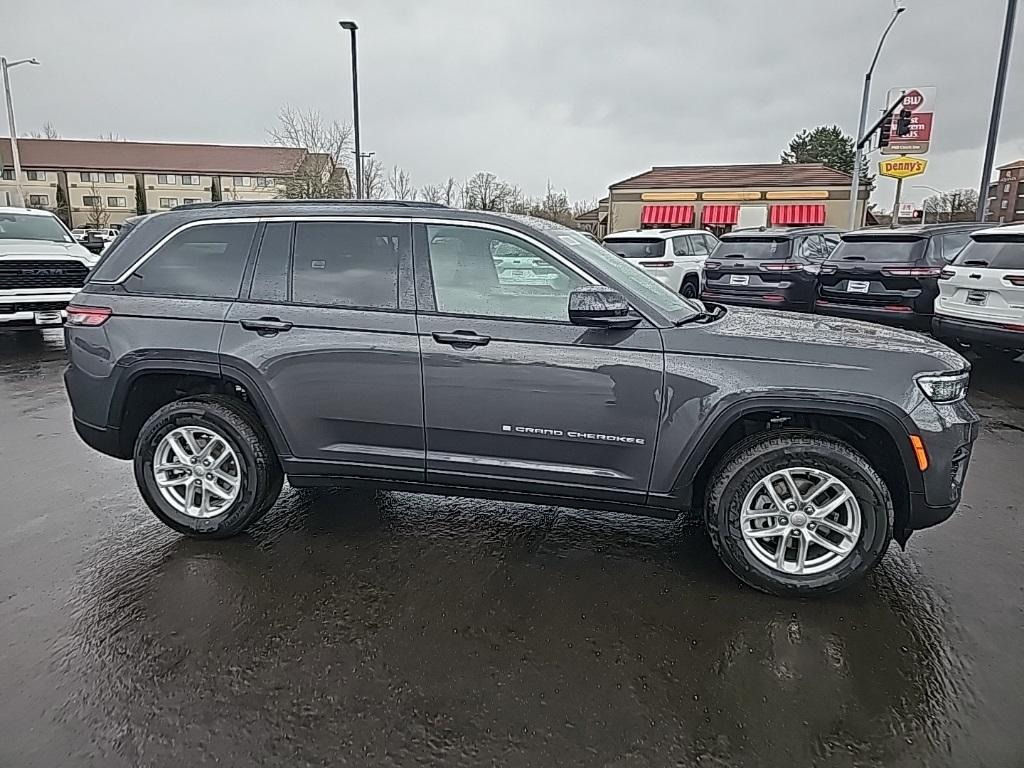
(981, 294)
(41, 268)
(674, 257)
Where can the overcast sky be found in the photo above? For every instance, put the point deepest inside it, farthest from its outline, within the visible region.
(578, 93)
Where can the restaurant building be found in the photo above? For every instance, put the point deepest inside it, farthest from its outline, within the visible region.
(725, 197)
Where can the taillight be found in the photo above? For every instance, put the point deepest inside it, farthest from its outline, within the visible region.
(783, 266)
(712, 264)
(912, 271)
(1013, 327)
(87, 316)
(828, 269)
(1015, 280)
(657, 263)
(946, 274)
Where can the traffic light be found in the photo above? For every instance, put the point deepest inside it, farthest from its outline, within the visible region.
(903, 122)
(884, 133)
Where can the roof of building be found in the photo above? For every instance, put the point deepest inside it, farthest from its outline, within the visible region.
(760, 175)
(74, 154)
(1014, 164)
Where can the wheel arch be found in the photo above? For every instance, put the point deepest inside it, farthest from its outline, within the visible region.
(169, 379)
(875, 428)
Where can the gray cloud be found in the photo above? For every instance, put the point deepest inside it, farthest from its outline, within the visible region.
(578, 93)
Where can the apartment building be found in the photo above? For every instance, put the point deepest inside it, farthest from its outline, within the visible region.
(1006, 195)
(105, 182)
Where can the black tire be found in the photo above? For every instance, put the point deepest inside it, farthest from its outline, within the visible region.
(750, 461)
(262, 477)
(690, 287)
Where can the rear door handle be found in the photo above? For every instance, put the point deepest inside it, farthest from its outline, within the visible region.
(266, 326)
(463, 339)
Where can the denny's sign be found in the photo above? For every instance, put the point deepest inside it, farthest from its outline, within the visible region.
(902, 167)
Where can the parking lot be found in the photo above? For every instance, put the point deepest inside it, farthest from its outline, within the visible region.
(351, 628)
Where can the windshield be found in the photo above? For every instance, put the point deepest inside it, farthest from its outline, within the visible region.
(994, 252)
(26, 226)
(637, 248)
(635, 279)
(752, 248)
(876, 249)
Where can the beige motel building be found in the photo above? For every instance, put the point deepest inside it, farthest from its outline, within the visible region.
(108, 178)
(725, 197)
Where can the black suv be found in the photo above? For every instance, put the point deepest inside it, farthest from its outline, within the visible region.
(225, 346)
(890, 275)
(768, 267)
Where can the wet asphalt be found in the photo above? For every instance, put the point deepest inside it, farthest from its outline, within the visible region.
(359, 628)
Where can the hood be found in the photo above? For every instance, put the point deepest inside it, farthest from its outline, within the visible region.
(800, 338)
(42, 249)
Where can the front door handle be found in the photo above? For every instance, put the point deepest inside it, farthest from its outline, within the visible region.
(266, 326)
(462, 339)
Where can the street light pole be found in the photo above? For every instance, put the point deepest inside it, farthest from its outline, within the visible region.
(15, 156)
(865, 97)
(997, 109)
(351, 26)
(924, 211)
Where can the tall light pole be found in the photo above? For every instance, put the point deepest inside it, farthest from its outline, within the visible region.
(924, 213)
(865, 97)
(351, 26)
(997, 109)
(15, 157)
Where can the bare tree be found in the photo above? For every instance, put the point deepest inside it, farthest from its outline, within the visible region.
(374, 183)
(112, 136)
(584, 206)
(98, 215)
(400, 184)
(956, 201)
(554, 206)
(486, 192)
(452, 194)
(49, 131)
(329, 146)
(432, 193)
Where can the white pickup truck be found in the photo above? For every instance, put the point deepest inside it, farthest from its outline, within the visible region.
(41, 268)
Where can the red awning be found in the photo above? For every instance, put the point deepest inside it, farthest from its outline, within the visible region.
(725, 215)
(666, 215)
(790, 215)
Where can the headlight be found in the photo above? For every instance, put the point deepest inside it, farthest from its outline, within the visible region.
(944, 387)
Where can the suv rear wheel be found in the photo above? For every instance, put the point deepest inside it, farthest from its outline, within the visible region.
(798, 513)
(690, 287)
(206, 467)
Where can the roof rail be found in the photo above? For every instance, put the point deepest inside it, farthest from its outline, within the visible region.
(329, 201)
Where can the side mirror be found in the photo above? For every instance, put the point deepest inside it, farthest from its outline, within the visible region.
(598, 306)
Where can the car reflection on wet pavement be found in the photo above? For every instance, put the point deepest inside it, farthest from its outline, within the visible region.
(360, 628)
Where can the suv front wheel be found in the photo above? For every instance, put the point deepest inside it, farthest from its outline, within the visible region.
(206, 467)
(798, 513)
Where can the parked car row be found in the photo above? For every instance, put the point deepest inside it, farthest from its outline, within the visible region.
(96, 239)
(964, 281)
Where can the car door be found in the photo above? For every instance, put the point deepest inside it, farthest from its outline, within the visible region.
(515, 396)
(327, 333)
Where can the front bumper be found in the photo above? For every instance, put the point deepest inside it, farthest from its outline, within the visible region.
(974, 332)
(19, 311)
(790, 299)
(948, 432)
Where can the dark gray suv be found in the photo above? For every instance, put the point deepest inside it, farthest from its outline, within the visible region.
(224, 346)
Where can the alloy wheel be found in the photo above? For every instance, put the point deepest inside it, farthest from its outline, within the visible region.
(197, 471)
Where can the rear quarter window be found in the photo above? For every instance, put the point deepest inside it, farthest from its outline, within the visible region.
(205, 261)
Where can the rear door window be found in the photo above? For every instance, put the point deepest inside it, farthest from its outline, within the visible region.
(348, 264)
(206, 262)
(993, 252)
(697, 246)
